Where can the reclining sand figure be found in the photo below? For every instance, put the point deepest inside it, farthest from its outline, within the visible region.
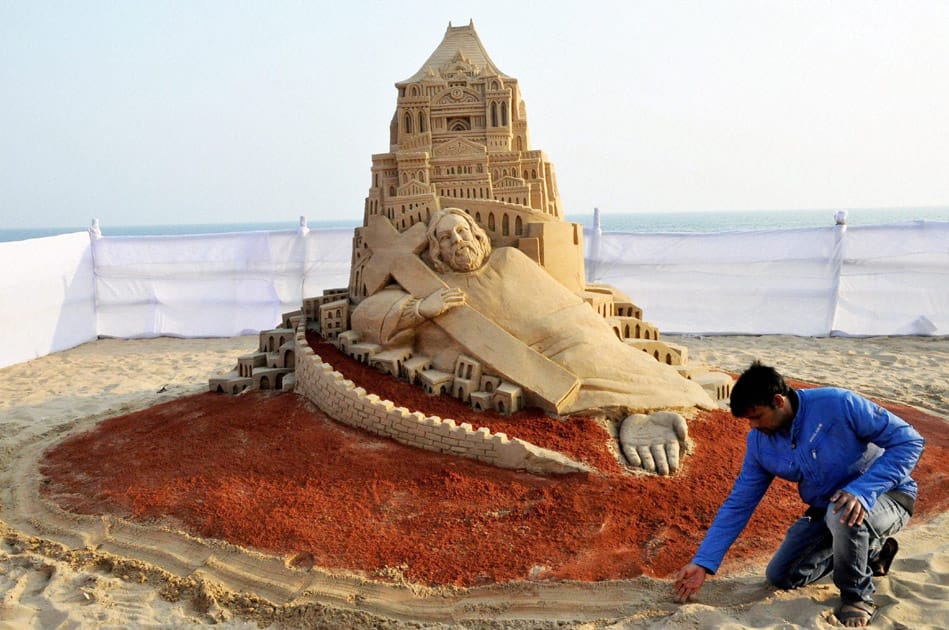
(542, 318)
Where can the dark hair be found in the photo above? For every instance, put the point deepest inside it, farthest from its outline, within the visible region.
(756, 387)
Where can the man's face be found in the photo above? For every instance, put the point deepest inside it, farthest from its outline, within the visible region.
(770, 418)
(457, 245)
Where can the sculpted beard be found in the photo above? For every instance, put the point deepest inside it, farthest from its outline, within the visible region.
(467, 256)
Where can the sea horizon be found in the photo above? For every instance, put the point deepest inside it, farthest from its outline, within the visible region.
(700, 221)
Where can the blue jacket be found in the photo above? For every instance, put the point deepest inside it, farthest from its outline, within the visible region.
(837, 441)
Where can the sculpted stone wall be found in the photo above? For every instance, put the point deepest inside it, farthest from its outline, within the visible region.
(343, 401)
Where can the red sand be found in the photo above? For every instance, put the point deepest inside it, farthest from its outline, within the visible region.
(271, 472)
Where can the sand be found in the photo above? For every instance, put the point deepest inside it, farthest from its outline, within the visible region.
(46, 584)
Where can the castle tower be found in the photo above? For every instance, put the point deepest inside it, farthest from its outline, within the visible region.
(459, 138)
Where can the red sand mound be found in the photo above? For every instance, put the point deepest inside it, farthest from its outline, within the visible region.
(270, 472)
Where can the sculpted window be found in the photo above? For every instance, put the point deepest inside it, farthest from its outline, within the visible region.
(504, 114)
(459, 124)
(408, 123)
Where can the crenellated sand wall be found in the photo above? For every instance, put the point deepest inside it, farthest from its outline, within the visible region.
(343, 401)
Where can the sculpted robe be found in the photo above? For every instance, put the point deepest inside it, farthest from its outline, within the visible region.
(519, 296)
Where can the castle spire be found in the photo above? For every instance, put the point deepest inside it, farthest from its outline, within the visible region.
(458, 39)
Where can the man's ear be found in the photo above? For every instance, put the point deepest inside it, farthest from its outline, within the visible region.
(778, 401)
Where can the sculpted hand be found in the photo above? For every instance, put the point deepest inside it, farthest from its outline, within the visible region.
(849, 507)
(689, 580)
(440, 301)
(654, 442)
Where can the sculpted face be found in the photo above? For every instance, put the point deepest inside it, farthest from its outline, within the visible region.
(457, 246)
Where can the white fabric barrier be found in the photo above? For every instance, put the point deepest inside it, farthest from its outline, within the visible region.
(207, 285)
(730, 282)
(59, 291)
(877, 280)
(213, 285)
(895, 280)
(46, 296)
(328, 259)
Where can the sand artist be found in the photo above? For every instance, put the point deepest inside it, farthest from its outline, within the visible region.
(851, 459)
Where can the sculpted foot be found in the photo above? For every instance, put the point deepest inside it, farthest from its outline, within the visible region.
(654, 442)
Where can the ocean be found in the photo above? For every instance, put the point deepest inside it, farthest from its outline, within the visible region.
(756, 220)
(651, 222)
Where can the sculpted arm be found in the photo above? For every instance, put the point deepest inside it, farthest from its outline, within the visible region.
(415, 311)
(387, 316)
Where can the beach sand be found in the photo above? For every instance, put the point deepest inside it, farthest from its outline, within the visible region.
(45, 584)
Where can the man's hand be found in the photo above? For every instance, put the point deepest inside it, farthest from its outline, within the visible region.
(689, 580)
(654, 442)
(440, 301)
(849, 507)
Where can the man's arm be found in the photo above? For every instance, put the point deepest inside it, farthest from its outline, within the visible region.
(752, 482)
(730, 520)
(902, 446)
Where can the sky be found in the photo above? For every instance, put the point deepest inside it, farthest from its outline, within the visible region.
(145, 113)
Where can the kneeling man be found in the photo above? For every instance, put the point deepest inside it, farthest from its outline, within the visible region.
(852, 461)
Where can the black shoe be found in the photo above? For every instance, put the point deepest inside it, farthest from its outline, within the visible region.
(881, 566)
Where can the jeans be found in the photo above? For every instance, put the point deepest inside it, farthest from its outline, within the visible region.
(813, 547)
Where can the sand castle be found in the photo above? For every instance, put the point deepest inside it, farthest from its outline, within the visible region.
(467, 281)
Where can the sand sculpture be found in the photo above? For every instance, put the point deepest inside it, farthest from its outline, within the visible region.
(466, 279)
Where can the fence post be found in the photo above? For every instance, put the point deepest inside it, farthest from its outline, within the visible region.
(302, 231)
(95, 234)
(595, 234)
(837, 265)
